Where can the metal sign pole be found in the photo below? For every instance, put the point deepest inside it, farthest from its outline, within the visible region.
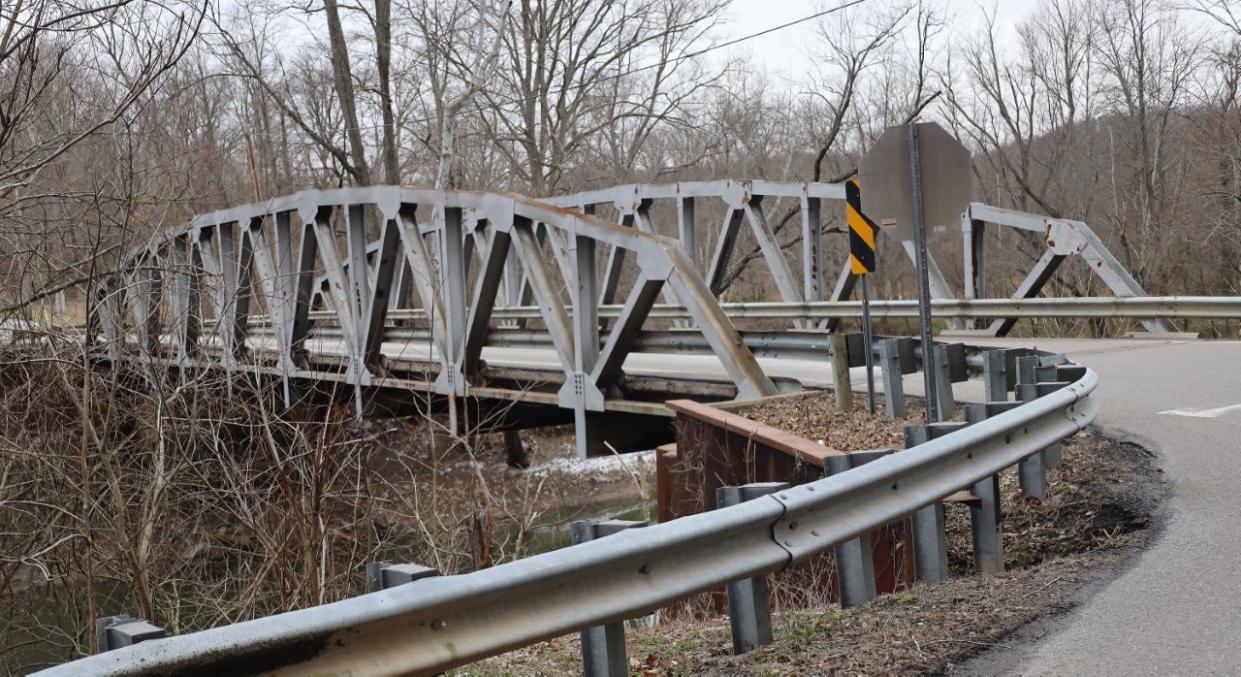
(862, 233)
(924, 284)
(867, 341)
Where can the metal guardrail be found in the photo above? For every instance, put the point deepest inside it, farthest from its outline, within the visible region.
(1119, 307)
(1136, 307)
(434, 624)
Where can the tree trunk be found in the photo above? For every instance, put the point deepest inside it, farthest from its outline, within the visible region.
(383, 59)
(343, 81)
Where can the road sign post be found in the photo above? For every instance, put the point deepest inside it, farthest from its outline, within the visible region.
(862, 262)
(918, 176)
(924, 282)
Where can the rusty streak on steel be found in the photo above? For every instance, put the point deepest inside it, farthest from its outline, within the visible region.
(780, 440)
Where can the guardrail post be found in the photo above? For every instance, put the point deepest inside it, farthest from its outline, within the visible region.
(748, 611)
(1063, 374)
(986, 518)
(384, 575)
(1069, 372)
(114, 632)
(930, 544)
(838, 345)
(603, 646)
(1031, 472)
(1050, 378)
(943, 383)
(893, 385)
(995, 379)
(855, 564)
(930, 541)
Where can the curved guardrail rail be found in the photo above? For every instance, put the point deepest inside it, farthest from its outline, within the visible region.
(431, 625)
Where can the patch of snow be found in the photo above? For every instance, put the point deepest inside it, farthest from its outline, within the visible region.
(599, 467)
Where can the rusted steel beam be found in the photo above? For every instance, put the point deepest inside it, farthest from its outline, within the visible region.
(716, 447)
(799, 447)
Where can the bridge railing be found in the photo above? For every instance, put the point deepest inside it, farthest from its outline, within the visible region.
(433, 624)
(1110, 307)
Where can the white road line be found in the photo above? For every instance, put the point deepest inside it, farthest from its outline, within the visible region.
(1203, 413)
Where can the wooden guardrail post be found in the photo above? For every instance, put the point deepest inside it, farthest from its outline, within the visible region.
(838, 346)
(749, 613)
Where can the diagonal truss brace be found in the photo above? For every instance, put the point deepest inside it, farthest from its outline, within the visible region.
(1064, 238)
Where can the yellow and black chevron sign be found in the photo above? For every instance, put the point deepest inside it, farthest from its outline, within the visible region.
(861, 231)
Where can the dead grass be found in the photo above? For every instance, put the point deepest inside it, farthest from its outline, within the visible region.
(815, 416)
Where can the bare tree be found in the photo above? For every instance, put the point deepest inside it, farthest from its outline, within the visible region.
(337, 130)
(846, 55)
(1007, 107)
(1150, 57)
(460, 45)
(559, 60)
(68, 73)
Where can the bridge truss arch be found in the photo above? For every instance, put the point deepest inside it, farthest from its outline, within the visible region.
(234, 290)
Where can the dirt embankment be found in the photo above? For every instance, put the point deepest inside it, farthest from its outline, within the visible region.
(1098, 511)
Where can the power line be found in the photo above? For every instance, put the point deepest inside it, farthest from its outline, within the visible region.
(651, 66)
(751, 36)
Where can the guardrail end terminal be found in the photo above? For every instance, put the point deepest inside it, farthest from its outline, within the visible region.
(384, 575)
(114, 632)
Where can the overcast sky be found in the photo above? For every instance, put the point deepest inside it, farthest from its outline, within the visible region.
(783, 53)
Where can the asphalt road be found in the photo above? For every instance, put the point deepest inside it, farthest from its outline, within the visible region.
(1177, 609)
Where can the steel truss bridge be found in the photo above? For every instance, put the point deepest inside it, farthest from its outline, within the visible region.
(579, 309)
(537, 312)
